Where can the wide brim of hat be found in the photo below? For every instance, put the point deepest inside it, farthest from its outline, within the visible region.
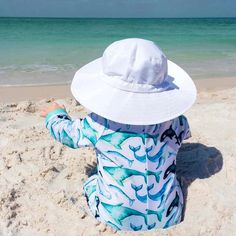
(128, 107)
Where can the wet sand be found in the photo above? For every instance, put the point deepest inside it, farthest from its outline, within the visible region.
(20, 93)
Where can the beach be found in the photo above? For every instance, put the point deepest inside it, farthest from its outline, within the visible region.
(41, 180)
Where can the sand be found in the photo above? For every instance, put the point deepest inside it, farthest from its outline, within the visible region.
(17, 93)
(41, 180)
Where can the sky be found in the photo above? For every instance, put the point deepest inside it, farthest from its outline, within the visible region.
(118, 8)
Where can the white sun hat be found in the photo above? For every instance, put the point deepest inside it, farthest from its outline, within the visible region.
(134, 83)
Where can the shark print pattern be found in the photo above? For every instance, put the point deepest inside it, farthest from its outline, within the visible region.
(135, 187)
(168, 223)
(120, 212)
(120, 174)
(119, 155)
(102, 190)
(136, 156)
(157, 156)
(173, 204)
(169, 170)
(131, 201)
(160, 195)
(170, 133)
(159, 213)
(136, 228)
(117, 138)
(142, 198)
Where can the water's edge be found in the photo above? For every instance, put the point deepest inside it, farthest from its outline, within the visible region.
(34, 93)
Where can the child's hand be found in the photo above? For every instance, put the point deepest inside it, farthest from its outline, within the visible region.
(50, 108)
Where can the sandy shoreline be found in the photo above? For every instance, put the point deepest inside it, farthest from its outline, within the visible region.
(41, 180)
(21, 93)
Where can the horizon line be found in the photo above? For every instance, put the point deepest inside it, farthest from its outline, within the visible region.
(77, 17)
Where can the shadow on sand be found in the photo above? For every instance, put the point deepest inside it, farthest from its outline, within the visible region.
(196, 161)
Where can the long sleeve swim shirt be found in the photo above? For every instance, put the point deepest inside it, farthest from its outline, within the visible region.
(135, 187)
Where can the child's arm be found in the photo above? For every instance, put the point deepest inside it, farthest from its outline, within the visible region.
(72, 133)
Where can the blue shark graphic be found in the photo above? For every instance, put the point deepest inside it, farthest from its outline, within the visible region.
(157, 213)
(119, 155)
(66, 139)
(101, 190)
(173, 204)
(119, 212)
(89, 132)
(157, 156)
(171, 154)
(173, 187)
(161, 161)
(137, 157)
(148, 149)
(155, 129)
(131, 201)
(90, 189)
(160, 195)
(90, 180)
(135, 228)
(106, 158)
(52, 131)
(113, 225)
(170, 133)
(180, 137)
(170, 220)
(118, 137)
(149, 187)
(170, 169)
(181, 120)
(139, 197)
(97, 200)
(151, 226)
(119, 174)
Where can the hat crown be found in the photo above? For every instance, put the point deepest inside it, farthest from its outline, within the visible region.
(134, 61)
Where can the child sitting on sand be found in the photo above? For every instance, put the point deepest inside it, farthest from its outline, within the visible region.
(137, 98)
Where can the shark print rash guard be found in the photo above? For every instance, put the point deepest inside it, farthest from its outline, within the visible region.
(135, 187)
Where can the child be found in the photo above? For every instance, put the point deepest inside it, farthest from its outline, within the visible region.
(136, 97)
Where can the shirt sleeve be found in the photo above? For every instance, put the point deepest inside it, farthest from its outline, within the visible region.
(185, 129)
(72, 133)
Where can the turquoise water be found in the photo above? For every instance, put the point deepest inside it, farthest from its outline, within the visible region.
(43, 50)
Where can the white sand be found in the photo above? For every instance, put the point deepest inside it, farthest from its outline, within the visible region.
(41, 180)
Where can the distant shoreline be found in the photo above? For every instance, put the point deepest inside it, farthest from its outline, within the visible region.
(47, 17)
(37, 92)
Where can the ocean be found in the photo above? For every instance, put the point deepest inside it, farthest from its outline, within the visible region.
(50, 50)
